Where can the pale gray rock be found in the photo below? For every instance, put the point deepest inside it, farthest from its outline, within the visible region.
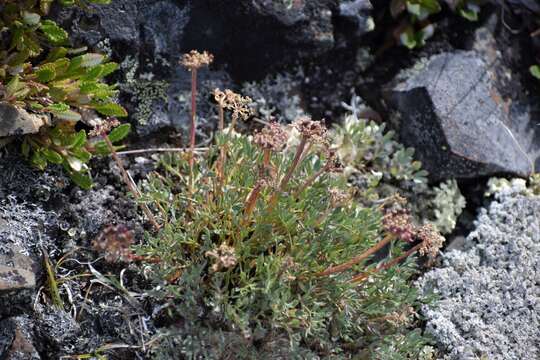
(17, 121)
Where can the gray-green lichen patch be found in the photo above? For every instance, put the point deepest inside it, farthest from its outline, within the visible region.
(277, 96)
(489, 294)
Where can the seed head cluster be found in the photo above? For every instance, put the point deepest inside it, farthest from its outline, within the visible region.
(105, 127)
(224, 257)
(314, 131)
(238, 104)
(338, 196)
(399, 223)
(196, 60)
(432, 241)
(271, 137)
(115, 241)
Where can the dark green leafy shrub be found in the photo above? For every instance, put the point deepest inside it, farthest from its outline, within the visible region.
(416, 26)
(264, 252)
(40, 73)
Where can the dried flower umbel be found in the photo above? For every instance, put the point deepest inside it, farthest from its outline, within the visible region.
(196, 60)
(224, 257)
(432, 241)
(399, 223)
(115, 241)
(272, 137)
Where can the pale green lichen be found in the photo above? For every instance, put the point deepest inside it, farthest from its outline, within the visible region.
(381, 167)
(143, 88)
(447, 204)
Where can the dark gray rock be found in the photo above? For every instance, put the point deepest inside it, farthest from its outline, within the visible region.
(17, 279)
(452, 113)
(358, 13)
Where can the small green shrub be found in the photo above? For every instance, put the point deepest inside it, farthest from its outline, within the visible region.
(264, 251)
(380, 168)
(40, 73)
(416, 26)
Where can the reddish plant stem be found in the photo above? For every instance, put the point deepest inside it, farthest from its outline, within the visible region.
(221, 118)
(146, 259)
(193, 116)
(361, 277)
(346, 266)
(311, 180)
(130, 184)
(288, 175)
(252, 201)
(294, 164)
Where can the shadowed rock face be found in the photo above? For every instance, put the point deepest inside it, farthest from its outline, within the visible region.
(452, 113)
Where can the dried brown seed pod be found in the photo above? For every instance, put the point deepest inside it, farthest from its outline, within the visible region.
(399, 223)
(432, 241)
(272, 137)
(115, 241)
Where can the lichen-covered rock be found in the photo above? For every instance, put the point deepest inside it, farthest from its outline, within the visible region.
(489, 294)
(452, 113)
(17, 279)
(16, 339)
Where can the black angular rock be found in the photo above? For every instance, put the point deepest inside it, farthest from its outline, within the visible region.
(451, 112)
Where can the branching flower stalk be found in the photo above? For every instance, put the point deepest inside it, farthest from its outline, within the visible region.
(239, 105)
(193, 61)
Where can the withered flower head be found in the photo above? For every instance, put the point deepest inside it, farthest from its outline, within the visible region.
(432, 241)
(220, 97)
(310, 129)
(224, 257)
(115, 241)
(105, 127)
(338, 196)
(238, 104)
(272, 137)
(196, 60)
(399, 223)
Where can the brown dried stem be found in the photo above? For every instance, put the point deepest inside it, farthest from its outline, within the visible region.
(130, 184)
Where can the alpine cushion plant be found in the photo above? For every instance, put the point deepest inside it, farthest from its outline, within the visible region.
(40, 73)
(270, 255)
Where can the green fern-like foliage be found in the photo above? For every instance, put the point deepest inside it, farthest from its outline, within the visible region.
(40, 73)
(248, 259)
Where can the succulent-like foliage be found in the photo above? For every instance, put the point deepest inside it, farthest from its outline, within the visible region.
(263, 251)
(41, 74)
(380, 167)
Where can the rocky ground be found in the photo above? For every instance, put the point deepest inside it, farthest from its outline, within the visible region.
(465, 101)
